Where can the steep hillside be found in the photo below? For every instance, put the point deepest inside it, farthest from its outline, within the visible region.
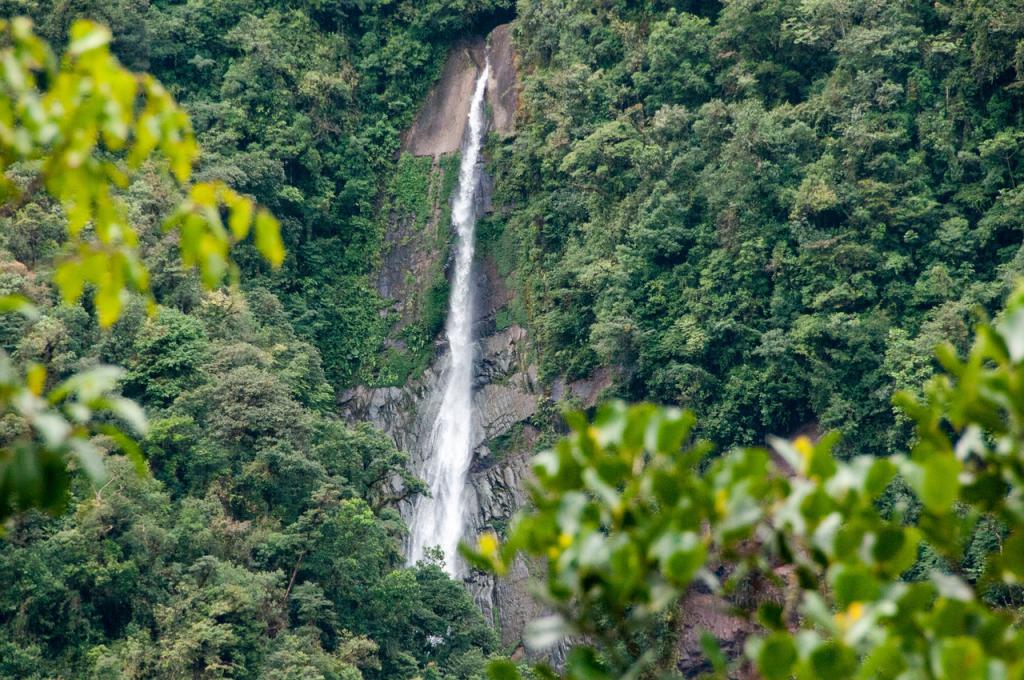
(767, 210)
(764, 211)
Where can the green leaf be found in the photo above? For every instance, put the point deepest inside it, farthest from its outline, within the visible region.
(667, 430)
(268, 238)
(959, 658)
(131, 413)
(87, 36)
(1011, 558)
(108, 305)
(128, 446)
(951, 587)
(20, 305)
(503, 669)
(1011, 327)
(886, 661)
(544, 632)
(833, 660)
(775, 656)
(240, 218)
(887, 543)
(853, 583)
(89, 459)
(880, 473)
(769, 615)
(52, 429)
(680, 554)
(583, 664)
(939, 484)
(713, 651)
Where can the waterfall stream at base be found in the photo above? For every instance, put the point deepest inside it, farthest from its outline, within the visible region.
(438, 520)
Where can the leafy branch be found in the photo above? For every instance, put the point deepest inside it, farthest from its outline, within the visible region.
(84, 124)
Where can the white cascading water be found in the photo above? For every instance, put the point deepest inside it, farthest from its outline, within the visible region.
(438, 520)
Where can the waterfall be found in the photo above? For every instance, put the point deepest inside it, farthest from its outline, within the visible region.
(438, 520)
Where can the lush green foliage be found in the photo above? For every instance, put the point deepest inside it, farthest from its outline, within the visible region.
(264, 544)
(626, 517)
(301, 105)
(417, 198)
(769, 211)
(80, 130)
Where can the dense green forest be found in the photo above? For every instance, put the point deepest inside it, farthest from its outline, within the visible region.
(767, 211)
(263, 545)
(770, 211)
(301, 104)
(260, 547)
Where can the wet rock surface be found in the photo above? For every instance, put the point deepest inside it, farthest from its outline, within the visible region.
(503, 86)
(506, 398)
(440, 125)
(441, 122)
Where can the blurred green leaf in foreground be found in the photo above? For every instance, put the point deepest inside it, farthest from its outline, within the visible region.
(879, 556)
(79, 126)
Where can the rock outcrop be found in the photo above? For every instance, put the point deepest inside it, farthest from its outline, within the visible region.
(441, 122)
(506, 398)
(503, 86)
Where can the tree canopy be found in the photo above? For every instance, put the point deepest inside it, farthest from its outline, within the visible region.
(767, 211)
(80, 127)
(247, 533)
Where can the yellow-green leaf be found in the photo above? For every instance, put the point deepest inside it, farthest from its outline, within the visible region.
(268, 238)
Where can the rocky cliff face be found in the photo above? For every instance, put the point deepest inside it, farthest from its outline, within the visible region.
(506, 398)
(507, 395)
(441, 122)
(415, 253)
